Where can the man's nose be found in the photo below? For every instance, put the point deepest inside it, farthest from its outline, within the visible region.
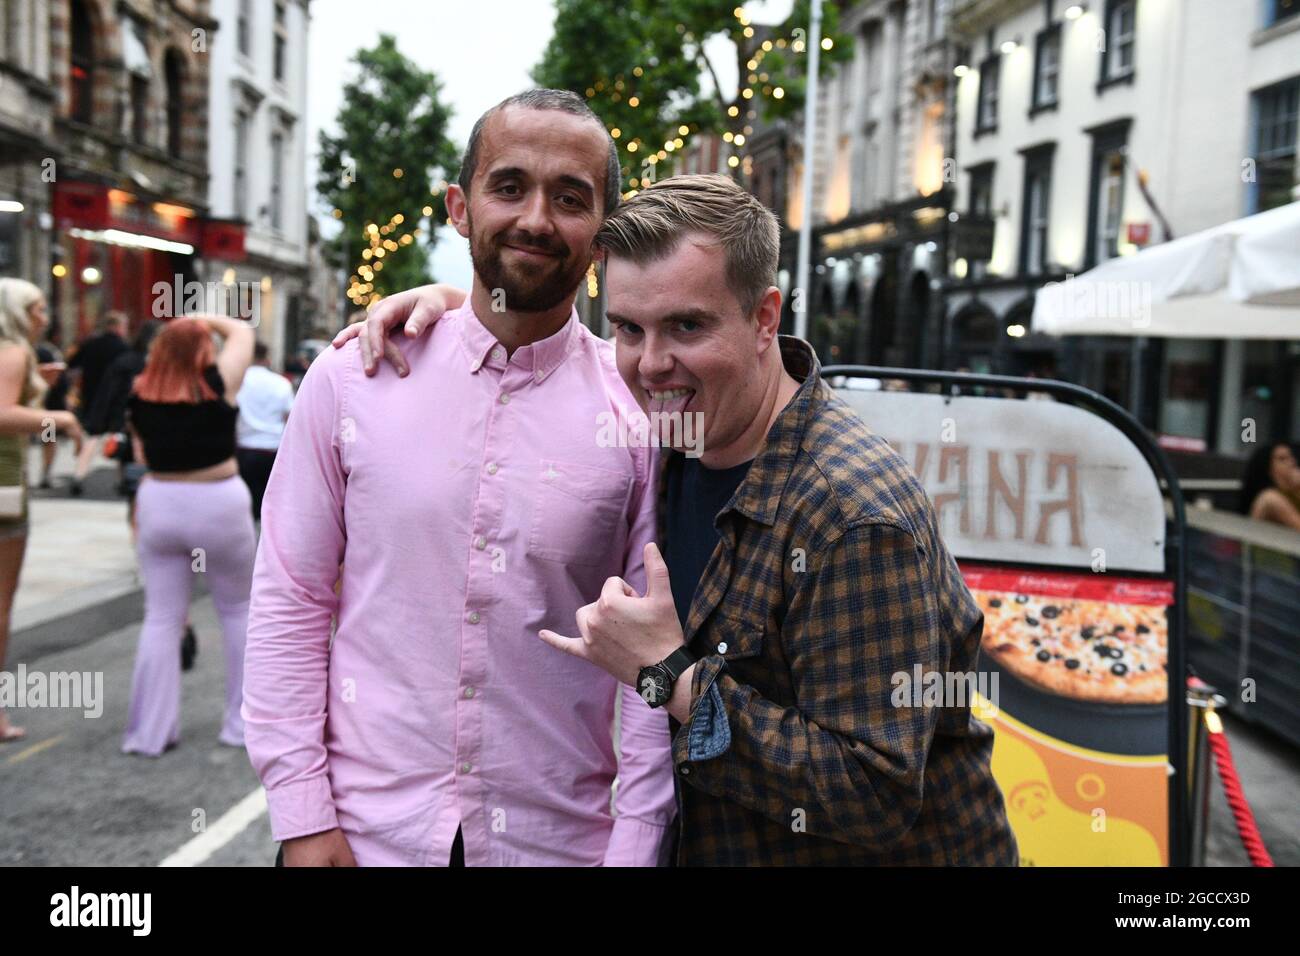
(656, 360)
(535, 216)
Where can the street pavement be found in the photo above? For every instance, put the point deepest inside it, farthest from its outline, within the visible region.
(68, 796)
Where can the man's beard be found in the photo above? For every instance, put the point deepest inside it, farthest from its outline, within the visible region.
(536, 289)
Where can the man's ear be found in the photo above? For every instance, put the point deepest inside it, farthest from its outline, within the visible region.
(768, 316)
(458, 209)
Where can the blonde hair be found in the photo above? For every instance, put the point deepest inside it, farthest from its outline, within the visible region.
(650, 225)
(17, 296)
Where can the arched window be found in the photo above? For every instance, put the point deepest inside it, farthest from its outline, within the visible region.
(174, 78)
(82, 64)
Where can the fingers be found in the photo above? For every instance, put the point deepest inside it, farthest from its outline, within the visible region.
(614, 588)
(422, 316)
(570, 645)
(347, 334)
(396, 358)
(657, 583)
(367, 357)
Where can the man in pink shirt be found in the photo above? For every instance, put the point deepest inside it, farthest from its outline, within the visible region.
(432, 725)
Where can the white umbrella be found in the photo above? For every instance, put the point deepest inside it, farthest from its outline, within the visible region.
(1240, 280)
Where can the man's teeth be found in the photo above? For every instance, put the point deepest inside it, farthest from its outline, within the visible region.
(670, 394)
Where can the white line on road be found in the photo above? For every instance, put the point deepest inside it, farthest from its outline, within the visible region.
(232, 823)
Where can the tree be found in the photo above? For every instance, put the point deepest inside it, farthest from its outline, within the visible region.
(640, 64)
(384, 173)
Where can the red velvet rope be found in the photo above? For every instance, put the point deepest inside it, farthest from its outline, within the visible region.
(1241, 811)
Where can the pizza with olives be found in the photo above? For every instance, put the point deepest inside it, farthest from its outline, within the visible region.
(1090, 650)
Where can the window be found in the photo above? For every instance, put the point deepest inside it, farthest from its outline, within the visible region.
(243, 28)
(981, 190)
(174, 78)
(986, 119)
(1106, 192)
(1036, 207)
(281, 41)
(11, 44)
(1275, 111)
(1047, 69)
(1120, 39)
(139, 69)
(241, 165)
(81, 67)
(277, 175)
(1275, 11)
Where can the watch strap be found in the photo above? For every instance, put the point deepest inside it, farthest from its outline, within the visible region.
(677, 662)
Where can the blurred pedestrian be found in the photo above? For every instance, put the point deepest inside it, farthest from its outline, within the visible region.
(1270, 487)
(193, 515)
(107, 416)
(90, 362)
(264, 402)
(22, 320)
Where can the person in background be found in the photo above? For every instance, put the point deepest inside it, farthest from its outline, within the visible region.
(193, 515)
(1270, 487)
(107, 416)
(264, 402)
(22, 320)
(91, 361)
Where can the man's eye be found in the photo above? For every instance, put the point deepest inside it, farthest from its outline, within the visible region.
(627, 328)
(688, 326)
(508, 189)
(573, 202)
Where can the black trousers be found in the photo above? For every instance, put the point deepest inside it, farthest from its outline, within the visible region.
(255, 468)
(457, 852)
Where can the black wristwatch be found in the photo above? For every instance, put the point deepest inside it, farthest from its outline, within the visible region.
(655, 683)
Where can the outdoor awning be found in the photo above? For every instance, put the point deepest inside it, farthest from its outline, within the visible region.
(1240, 280)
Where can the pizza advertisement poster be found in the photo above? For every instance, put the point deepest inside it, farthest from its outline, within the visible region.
(1077, 670)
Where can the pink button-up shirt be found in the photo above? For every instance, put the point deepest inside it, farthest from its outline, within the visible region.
(470, 505)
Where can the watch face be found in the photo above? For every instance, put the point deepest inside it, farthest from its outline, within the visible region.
(652, 685)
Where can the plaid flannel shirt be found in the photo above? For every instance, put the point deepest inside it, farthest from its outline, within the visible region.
(829, 578)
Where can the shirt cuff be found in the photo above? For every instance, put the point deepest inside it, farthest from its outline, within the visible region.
(707, 731)
(634, 842)
(301, 808)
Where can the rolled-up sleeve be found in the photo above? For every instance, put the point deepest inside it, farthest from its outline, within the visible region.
(286, 661)
(644, 805)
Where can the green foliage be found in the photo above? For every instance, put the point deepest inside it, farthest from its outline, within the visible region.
(392, 118)
(641, 64)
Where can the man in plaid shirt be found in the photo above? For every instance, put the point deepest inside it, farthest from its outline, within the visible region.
(807, 569)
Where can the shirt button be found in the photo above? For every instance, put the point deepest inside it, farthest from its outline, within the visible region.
(541, 374)
(492, 468)
(722, 647)
(505, 398)
(685, 769)
(473, 617)
(466, 768)
(480, 542)
(498, 355)
(476, 365)
(469, 691)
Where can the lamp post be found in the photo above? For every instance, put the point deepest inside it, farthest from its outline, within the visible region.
(809, 131)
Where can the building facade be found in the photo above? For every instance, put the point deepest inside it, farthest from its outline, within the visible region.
(881, 188)
(27, 148)
(129, 194)
(257, 150)
(1090, 130)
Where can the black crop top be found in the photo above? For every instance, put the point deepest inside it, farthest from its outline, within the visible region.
(185, 436)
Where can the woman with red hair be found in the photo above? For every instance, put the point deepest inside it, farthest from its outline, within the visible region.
(193, 516)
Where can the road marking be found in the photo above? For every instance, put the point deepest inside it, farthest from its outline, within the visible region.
(33, 750)
(232, 823)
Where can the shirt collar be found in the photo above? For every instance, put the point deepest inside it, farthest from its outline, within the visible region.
(759, 495)
(539, 358)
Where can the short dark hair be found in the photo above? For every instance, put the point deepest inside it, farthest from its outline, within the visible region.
(541, 99)
(261, 352)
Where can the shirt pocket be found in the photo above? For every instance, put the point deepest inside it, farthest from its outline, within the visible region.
(578, 513)
(733, 639)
